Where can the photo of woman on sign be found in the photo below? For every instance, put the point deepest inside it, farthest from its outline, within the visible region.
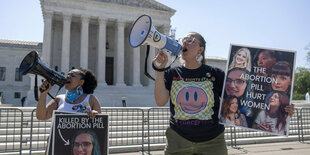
(265, 59)
(281, 72)
(85, 142)
(275, 119)
(235, 85)
(231, 114)
(242, 59)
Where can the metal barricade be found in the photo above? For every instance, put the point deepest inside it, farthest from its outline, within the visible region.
(294, 128)
(39, 131)
(157, 123)
(247, 136)
(11, 130)
(230, 136)
(304, 124)
(130, 130)
(126, 129)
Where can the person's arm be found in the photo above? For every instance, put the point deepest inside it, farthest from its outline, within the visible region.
(43, 111)
(161, 94)
(95, 106)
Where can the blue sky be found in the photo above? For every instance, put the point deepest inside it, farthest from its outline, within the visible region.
(279, 24)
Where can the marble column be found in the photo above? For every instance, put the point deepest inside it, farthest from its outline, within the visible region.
(150, 69)
(84, 42)
(65, 53)
(102, 52)
(120, 53)
(136, 67)
(47, 38)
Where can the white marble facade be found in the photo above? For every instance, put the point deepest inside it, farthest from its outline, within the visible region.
(94, 34)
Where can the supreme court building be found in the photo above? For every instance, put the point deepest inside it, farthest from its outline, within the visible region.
(94, 34)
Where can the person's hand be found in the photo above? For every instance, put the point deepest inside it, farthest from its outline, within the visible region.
(92, 114)
(45, 87)
(161, 59)
(237, 122)
(290, 110)
(266, 126)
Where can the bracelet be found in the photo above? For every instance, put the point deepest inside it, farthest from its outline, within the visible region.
(159, 70)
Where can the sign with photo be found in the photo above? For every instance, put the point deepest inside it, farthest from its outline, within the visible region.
(258, 86)
(78, 134)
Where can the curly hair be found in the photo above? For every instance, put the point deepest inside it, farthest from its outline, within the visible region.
(90, 80)
(270, 53)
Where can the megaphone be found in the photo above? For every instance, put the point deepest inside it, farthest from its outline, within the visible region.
(33, 65)
(143, 33)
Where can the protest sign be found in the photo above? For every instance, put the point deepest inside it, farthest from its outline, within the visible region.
(258, 86)
(77, 133)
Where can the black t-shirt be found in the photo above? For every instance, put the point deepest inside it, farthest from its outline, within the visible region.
(194, 101)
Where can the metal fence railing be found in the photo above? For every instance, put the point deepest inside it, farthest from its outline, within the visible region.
(245, 134)
(11, 130)
(126, 127)
(304, 114)
(157, 123)
(130, 129)
(39, 131)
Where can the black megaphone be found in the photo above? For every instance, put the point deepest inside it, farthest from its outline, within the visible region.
(33, 65)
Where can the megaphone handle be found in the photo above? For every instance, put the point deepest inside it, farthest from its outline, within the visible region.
(36, 88)
(42, 90)
(50, 95)
(164, 69)
(145, 63)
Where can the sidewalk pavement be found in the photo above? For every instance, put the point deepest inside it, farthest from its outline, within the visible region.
(280, 148)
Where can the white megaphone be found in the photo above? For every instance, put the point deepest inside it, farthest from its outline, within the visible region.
(143, 33)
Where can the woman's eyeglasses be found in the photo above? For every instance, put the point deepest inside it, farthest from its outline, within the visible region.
(189, 40)
(73, 74)
(83, 144)
(237, 82)
(76, 74)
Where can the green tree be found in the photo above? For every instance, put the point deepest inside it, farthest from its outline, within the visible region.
(301, 83)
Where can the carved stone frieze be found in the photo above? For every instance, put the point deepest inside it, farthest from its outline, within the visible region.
(150, 4)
